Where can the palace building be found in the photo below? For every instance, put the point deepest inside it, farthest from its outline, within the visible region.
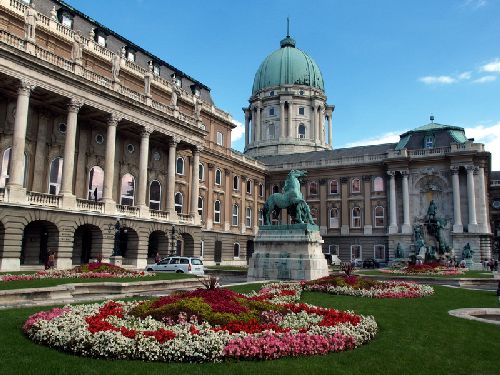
(105, 146)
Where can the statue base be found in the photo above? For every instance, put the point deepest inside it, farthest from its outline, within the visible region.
(288, 252)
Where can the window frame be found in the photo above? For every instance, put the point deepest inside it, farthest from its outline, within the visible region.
(354, 218)
(219, 173)
(375, 216)
(378, 180)
(260, 217)
(249, 185)
(236, 183)
(202, 201)
(299, 134)
(181, 173)
(303, 110)
(219, 138)
(123, 196)
(332, 218)
(248, 217)
(217, 212)
(201, 172)
(331, 192)
(353, 182)
(360, 252)
(235, 215)
(261, 190)
(152, 201)
(178, 207)
(58, 183)
(90, 185)
(236, 245)
(316, 187)
(375, 246)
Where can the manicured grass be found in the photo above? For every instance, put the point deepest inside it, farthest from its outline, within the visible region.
(8, 285)
(472, 274)
(226, 268)
(415, 336)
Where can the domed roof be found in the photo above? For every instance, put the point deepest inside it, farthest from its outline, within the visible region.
(287, 66)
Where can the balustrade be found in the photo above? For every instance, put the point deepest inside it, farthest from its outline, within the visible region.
(43, 199)
(127, 210)
(89, 205)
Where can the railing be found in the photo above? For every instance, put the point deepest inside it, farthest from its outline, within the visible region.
(43, 199)
(54, 59)
(96, 78)
(157, 214)
(89, 205)
(133, 94)
(495, 183)
(11, 40)
(186, 218)
(135, 68)
(2, 194)
(19, 6)
(127, 210)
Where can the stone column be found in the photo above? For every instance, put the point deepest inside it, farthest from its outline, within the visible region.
(472, 227)
(406, 227)
(393, 220)
(483, 212)
(258, 135)
(321, 124)
(368, 227)
(109, 165)
(69, 199)
(247, 127)
(243, 213)
(17, 192)
(323, 206)
(195, 185)
(255, 218)
(457, 215)
(41, 152)
(143, 173)
(282, 120)
(172, 146)
(209, 196)
(330, 128)
(312, 132)
(291, 133)
(228, 200)
(344, 229)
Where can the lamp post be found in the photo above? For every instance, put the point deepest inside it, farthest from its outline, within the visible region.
(172, 248)
(116, 245)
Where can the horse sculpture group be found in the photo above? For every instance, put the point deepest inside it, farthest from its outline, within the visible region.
(291, 198)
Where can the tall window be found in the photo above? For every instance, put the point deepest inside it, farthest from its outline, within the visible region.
(201, 172)
(334, 218)
(4, 176)
(314, 215)
(301, 111)
(276, 189)
(249, 186)
(261, 217)
(217, 211)
(356, 218)
(96, 183)
(155, 195)
(379, 216)
(356, 252)
(179, 201)
(333, 250)
(236, 250)
(200, 206)
(429, 141)
(236, 183)
(271, 131)
(379, 251)
(302, 131)
(179, 166)
(261, 190)
(220, 139)
(334, 187)
(271, 111)
(236, 211)
(313, 188)
(378, 184)
(248, 217)
(355, 185)
(218, 177)
(127, 190)
(55, 175)
(66, 19)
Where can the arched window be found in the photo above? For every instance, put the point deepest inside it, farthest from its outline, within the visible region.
(248, 217)
(276, 189)
(200, 206)
(249, 186)
(313, 188)
(127, 190)
(96, 183)
(261, 190)
(179, 201)
(378, 184)
(179, 166)
(55, 175)
(217, 211)
(334, 187)
(314, 214)
(356, 218)
(271, 134)
(5, 172)
(302, 131)
(261, 217)
(201, 172)
(236, 250)
(155, 195)
(236, 212)
(355, 185)
(218, 177)
(334, 218)
(379, 216)
(236, 183)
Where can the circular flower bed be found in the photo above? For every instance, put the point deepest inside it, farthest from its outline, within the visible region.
(426, 270)
(86, 271)
(202, 326)
(362, 287)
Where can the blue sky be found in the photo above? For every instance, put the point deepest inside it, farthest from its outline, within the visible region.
(387, 64)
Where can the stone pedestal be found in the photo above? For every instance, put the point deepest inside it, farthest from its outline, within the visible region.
(116, 260)
(10, 264)
(64, 263)
(287, 252)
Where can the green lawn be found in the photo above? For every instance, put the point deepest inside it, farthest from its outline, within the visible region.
(7, 285)
(415, 336)
(226, 268)
(472, 274)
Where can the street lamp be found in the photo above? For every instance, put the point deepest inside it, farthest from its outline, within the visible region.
(116, 245)
(172, 241)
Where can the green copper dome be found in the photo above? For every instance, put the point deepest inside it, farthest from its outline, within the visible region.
(287, 66)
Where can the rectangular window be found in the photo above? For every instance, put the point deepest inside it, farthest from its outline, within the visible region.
(301, 111)
(334, 187)
(356, 186)
(261, 190)
(271, 111)
(261, 217)
(130, 56)
(220, 139)
(248, 217)
(235, 215)
(356, 218)
(333, 250)
(379, 251)
(101, 40)
(355, 252)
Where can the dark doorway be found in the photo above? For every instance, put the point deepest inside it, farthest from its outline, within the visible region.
(218, 252)
(250, 250)
(38, 238)
(86, 245)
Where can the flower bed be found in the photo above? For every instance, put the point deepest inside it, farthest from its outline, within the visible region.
(362, 287)
(202, 326)
(86, 271)
(426, 270)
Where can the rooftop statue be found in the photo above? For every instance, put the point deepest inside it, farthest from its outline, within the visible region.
(292, 199)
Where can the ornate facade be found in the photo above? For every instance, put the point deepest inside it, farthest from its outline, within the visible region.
(95, 130)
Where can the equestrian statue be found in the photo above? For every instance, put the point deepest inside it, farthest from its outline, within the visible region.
(292, 199)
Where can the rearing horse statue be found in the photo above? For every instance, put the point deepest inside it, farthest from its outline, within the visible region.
(290, 198)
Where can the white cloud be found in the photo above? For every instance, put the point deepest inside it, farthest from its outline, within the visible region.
(391, 137)
(474, 4)
(237, 132)
(432, 80)
(489, 135)
(485, 79)
(492, 66)
(464, 75)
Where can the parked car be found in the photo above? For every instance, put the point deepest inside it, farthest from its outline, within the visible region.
(370, 263)
(178, 264)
